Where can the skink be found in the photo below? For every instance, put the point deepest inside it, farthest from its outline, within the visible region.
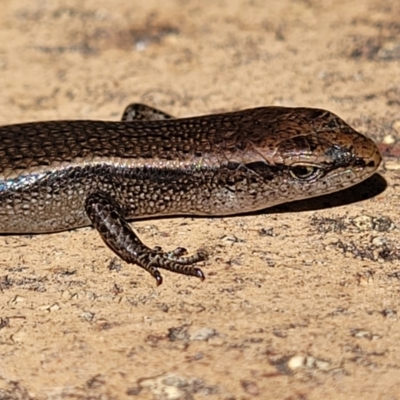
(60, 175)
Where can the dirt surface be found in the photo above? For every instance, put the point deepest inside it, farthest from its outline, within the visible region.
(300, 302)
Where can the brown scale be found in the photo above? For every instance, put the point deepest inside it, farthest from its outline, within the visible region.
(61, 175)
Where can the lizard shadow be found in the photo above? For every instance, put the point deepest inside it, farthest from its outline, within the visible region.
(367, 189)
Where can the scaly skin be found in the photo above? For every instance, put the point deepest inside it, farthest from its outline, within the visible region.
(61, 175)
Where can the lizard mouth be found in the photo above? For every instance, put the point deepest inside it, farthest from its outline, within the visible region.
(367, 156)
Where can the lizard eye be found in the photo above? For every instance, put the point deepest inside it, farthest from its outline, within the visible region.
(305, 172)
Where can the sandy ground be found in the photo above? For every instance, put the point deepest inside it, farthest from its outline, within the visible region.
(300, 302)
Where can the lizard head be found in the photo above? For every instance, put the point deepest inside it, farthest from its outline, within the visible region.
(297, 153)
